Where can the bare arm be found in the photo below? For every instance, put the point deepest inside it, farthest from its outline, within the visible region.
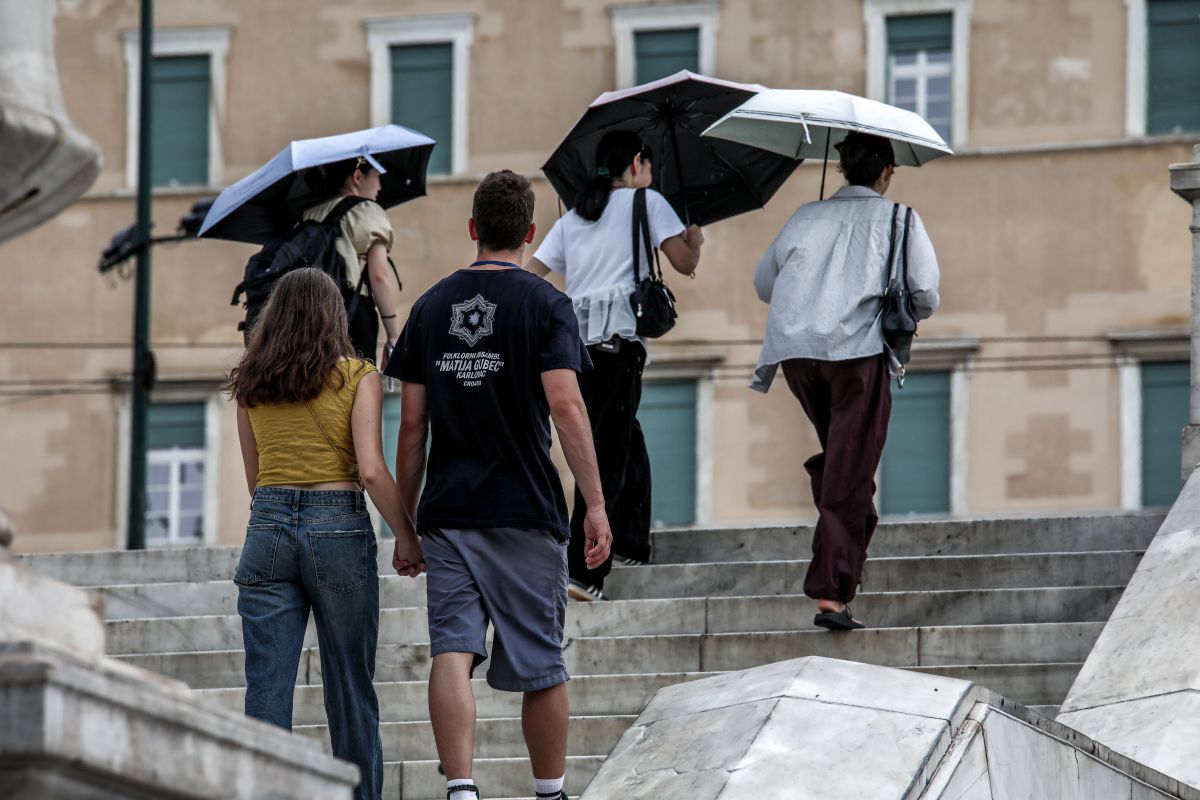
(365, 424)
(384, 288)
(684, 251)
(575, 434)
(410, 445)
(537, 268)
(249, 448)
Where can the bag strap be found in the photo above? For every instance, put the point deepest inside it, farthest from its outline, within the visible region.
(334, 218)
(905, 247)
(887, 281)
(352, 469)
(641, 231)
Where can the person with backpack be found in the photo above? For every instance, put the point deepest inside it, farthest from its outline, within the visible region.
(592, 246)
(370, 280)
(309, 423)
(826, 277)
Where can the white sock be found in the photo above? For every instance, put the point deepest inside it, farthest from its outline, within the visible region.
(457, 791)
(548, 788)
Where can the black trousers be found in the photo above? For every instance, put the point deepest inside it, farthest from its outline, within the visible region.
(849, 404)
(612, 390)
(363, 326)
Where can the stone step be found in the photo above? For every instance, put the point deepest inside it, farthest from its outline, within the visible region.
(934, 538)
(494, 737)
(678, 615)
(1100, 568)
(406, 701)
(1130, 531)
(498, 778)
(1033, 685)
(898, 647)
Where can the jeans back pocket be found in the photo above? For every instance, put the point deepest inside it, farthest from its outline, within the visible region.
(342, 559)
(257, 563)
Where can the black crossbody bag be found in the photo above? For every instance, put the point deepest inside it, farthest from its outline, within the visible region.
(653, 303)
(899, 314)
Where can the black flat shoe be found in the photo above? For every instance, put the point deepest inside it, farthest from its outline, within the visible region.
(837, 620)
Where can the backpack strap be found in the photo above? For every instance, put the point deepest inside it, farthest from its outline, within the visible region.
(334, 218)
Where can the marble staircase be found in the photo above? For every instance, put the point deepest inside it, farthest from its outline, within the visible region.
(1010, 604)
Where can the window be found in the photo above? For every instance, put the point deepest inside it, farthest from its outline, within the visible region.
(187, 96)
(420, 69)
(914, 476)
(917, 58)
(1172, 66)
(668, 417)
(176, 462)
(1164, 414)
(661, 53)
(654, 41)
(919, 50)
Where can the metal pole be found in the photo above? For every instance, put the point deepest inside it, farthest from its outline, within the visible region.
(143, 359)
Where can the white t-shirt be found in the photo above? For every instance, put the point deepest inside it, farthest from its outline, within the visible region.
(598, 256)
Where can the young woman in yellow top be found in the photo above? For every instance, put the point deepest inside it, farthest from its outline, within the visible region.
(309, 423)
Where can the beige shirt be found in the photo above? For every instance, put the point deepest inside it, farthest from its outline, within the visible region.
(363, 226)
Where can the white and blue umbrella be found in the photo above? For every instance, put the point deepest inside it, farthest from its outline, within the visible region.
(268, 202)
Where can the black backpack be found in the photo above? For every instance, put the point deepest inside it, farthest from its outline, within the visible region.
(310, 244)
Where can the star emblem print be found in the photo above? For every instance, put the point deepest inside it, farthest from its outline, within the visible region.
(472, 320)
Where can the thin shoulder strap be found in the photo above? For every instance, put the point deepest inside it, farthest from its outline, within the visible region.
(639, 207)
(351, 468)
(905, 246)
(891, 246)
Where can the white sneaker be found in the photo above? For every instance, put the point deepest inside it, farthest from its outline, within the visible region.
(578, 590)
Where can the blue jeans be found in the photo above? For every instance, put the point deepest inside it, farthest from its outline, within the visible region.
(314, 550)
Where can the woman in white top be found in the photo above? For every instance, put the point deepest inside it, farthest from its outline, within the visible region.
(592, 245)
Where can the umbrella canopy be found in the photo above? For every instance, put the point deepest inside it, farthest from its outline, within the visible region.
(705, 180)
(268, 202)
(806, 123)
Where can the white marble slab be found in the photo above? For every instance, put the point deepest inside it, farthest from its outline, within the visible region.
(963, 773)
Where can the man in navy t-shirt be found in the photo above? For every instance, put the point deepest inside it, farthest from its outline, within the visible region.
(488, 357)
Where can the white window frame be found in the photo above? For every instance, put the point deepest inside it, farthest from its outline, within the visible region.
(1135, 348)
(920, 73)
(457, 30)
(631, 19)
(214, 404)
(876, 13)
(212, 42)
(1136, 53)
(172, 458)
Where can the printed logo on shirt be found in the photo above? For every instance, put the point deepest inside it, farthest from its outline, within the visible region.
(470, 368)
(472, 320)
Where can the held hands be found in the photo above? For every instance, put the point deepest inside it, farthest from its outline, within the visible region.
(407, 559)
(597, 537)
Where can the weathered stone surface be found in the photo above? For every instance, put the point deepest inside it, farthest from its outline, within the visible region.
(1139, 689)
(36, 608)
(791, 728)
(93, 728)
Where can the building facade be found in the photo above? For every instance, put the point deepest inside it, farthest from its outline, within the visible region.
(1054, 377)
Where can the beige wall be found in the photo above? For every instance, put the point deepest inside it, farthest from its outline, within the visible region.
(1033, 241)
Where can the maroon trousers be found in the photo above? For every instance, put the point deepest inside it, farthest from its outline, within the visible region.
(849, 403)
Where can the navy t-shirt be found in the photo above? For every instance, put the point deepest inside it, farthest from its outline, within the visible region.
(479, 341)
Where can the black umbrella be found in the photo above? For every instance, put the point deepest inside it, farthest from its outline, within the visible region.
(268, 202)
(704, 179)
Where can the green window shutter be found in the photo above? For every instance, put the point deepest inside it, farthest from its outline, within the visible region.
(658, 54)
(1164, 416)
(1172, 66)
(179, 96)
(423, 96)
(668, 417)
(915, 473)
(175, 425)
(911, 34)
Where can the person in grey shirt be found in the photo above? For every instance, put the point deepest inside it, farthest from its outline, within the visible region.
(824, 277)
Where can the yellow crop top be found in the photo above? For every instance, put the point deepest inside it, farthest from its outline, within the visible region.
(293, 451)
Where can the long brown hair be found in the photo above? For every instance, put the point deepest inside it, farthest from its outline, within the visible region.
(296, 343)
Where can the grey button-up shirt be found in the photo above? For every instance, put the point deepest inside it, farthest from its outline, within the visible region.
(824, 277)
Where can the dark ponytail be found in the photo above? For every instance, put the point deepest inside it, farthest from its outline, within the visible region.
(615, 152)
(328, 179)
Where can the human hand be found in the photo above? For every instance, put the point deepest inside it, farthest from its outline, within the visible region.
(407, 558)
(597, 537)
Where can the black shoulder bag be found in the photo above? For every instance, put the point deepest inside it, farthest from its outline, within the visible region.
(653, 303)
(899, 315)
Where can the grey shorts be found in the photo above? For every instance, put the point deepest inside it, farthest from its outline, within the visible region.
(516, 580)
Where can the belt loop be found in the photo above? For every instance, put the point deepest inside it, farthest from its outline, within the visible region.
(295, 500)
(360, 502)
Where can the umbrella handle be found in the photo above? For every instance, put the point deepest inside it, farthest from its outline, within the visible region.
(687, 218)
